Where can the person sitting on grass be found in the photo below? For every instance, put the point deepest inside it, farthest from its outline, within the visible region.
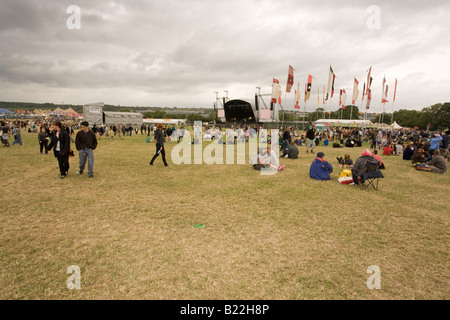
(377, 156)
(350, 143)
(434, 145)
(408, 152)
(419, 155)
(320, 169)
(398, 148)
(360, 165)
(445, 153)
(387, 151)
(267, 159)
(437, 164)
(292, 151)
(346, 162)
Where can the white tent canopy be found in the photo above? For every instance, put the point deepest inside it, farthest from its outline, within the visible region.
(342, 122)
(395, 125)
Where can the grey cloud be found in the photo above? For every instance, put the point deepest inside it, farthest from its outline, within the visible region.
(180, 49)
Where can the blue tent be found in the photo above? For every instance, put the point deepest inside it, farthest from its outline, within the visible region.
(5, 111)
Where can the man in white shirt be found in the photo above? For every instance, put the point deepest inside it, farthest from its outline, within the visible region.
(268, 159)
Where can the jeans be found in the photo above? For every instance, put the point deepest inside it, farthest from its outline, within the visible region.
(430, 151)
(87, 154)
(285, 147)
(18, 140)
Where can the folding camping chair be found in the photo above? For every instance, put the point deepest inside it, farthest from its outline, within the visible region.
(371, 175)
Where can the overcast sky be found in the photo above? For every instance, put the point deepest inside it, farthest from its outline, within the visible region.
(178, 52)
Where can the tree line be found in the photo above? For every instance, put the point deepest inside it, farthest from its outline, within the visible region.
(435, 117)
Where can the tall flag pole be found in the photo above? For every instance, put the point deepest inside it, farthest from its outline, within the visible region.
(383, 98)
(368, 90)
(355, 95)
(318, 97)
(304, 108)
(323, 102)
(393, 101)
(344, 99)
(297, 99)
(362, 100)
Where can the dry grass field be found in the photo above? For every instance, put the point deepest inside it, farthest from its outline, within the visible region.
(131, 231)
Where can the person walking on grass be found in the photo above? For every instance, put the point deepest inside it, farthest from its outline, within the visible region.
(286, 142)
(17, 135)
(4, 132)
(159, 137)
(43, 140)
(310, 136)
(60, 143)
(86, 143)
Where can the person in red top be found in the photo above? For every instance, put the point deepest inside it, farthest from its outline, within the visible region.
(387, 151)
(377, 156)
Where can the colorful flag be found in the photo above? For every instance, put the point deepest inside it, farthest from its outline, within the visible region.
(276, 91)
(344, 98)
(306, 93)
(369, 80)
(395, 89)
(355, 91)
(364, 92)
(340, 98)
(309, 87)
(330, 78)
(297, 96)
(318, 97)
(369, 98)
(384, 92)
(290, 80)
(323, 95)
(332, 85)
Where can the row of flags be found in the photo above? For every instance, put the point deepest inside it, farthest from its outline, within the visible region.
(367, 91)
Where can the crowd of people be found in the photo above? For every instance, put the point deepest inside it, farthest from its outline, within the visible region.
(427, 151)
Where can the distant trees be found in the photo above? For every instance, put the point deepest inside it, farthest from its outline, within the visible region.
(350, 112)
(191, 117)
(435, 117)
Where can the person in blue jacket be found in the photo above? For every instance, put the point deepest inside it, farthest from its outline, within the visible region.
(320, 169)
(434, 145)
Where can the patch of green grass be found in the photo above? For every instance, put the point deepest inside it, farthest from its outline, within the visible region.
(131, 229)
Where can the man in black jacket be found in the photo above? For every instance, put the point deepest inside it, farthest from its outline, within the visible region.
(60, 142)
(86, 142)
(310, 135)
